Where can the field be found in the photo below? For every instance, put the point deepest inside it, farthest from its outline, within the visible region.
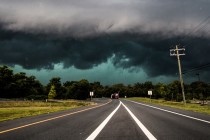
(10, 110)
(189, 106)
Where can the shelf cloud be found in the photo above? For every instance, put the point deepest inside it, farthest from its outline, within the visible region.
(133, 34)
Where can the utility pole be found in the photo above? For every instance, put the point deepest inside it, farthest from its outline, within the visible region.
(178, 52)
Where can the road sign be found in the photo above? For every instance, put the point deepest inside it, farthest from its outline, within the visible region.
(150, 92)
(91, 93)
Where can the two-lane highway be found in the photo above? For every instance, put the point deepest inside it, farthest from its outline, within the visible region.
(115, 120)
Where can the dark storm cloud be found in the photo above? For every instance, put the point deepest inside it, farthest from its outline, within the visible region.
(38, 51)
(133, 34)
(152, 54)
(127, 50)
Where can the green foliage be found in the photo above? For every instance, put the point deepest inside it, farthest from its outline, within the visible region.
(199, 90)
(52, 94)
(97, 88)
(82, 89)
(161, 91)
(5, 81)
(174, 91)
(60, 90)
(20, 85)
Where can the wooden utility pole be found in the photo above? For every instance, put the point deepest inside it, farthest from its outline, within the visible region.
(178, 52)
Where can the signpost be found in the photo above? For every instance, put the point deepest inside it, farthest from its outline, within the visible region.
(91, 95)
(150, 94)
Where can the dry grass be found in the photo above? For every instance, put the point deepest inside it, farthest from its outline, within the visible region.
(192, 107)
(10, 110)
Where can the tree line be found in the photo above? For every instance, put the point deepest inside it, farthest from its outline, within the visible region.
(20, 85)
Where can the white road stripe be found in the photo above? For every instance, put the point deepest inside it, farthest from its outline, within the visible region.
(171, 112)
(102, 125)
(142, 127)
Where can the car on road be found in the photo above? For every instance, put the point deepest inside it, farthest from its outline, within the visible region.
(115, 96)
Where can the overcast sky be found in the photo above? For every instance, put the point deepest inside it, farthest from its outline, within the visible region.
(112, 41)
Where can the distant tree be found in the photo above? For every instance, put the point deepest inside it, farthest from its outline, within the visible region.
(18, 85)
(107, 91)
(25, 86)
(6, 82)
(188, 94)
(22, 86)
(137, 90)
(175, 92)
(199, 90)
(70, 89)
(69, 83)
(129, 91)
(78, 89)
(97, 88)
(60, 90)
(161, 91)
(208, 92)
(82, 89)
(118, 88)
(147, 86)
(35, 89)
(52, 92)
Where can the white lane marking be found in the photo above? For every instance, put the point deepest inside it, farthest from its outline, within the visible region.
(142, 127)
(102, 125)
(171, 112)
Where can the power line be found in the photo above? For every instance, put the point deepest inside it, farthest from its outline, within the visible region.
(203, 24)
(197, 68)
(200, 26)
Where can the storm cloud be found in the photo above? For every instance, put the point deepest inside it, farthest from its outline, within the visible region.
(84, 34)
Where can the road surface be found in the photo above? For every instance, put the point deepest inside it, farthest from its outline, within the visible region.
(111, 120)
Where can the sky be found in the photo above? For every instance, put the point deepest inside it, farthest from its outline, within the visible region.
(112, 41)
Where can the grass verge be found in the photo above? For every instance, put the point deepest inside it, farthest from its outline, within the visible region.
(192, 107)
(10, 110)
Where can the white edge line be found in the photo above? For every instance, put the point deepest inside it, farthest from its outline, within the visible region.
(171, 112)
(142, 127)
(102, 125)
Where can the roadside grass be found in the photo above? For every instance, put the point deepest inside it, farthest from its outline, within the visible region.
(10, 110)
(189, 106)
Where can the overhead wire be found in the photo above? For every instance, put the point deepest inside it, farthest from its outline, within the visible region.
(197, 68)
(202, 25)
(199, 26)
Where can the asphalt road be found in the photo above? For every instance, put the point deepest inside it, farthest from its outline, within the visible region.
(116, 120)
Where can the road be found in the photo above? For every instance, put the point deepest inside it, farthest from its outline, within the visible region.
(110, 120)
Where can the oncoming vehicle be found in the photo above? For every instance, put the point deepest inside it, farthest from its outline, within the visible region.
(115, 96)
